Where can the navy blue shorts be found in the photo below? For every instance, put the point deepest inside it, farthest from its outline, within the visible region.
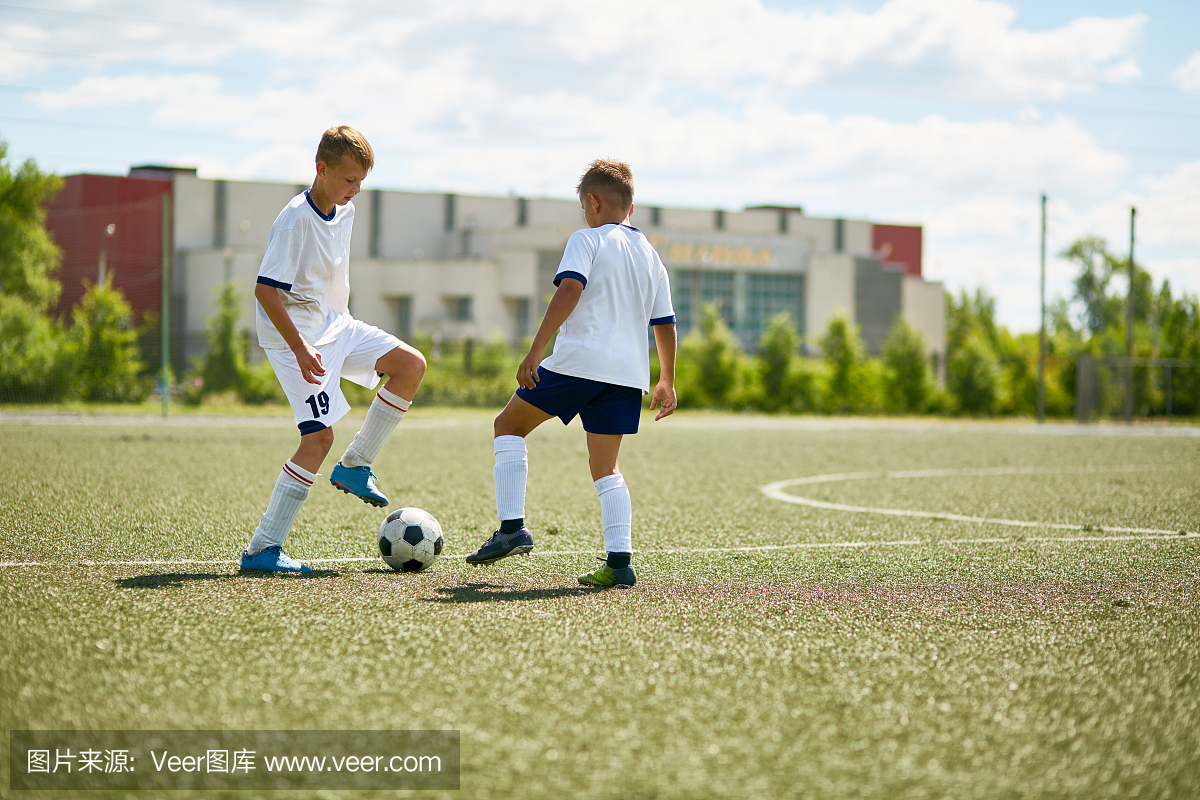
(603, 408)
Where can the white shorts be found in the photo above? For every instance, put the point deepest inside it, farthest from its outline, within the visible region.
(352, 355)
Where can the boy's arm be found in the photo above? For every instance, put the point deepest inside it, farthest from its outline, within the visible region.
(664, 392)
(308, 358)
(561, 305)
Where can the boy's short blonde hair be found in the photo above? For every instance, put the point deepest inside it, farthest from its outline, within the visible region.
(341, 141)
(613, 180)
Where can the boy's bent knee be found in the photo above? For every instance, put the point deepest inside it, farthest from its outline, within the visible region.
(402, 362)
(318, 439)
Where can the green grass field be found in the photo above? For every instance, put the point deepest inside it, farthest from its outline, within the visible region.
(832, 662)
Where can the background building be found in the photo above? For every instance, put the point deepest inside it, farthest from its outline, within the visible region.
(462, 266)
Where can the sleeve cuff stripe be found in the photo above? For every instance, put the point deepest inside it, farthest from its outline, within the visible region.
(663, 320)
(287, 287)
(558, 278)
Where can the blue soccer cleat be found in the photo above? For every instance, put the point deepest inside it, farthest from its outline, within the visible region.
(360, 482)
(273, 559)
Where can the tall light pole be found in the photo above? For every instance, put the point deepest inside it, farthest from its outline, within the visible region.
(1041, 397)
(102, 268)
(1129, 323)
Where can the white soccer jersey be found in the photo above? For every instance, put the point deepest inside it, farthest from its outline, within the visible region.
(308, 261)
(625, 288)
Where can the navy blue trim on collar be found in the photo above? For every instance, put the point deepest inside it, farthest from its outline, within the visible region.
(663, 320)
(313, 206)
(568, 274)
(623, 225)
(287, 287)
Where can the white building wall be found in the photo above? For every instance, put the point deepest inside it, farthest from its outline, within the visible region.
(192, 214)
(857, 237)
(818, 232)
(828, 291)
(412, 224)
(923, 306)
(762, 221)
(488, 257)
(251, 209)
(687, 219)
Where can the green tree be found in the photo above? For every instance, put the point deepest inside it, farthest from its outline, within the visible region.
(1102, 306)
(907, 385)
(35, 357)
(34, 354)
(778, 349)
(713, 357)
(974, 376)
(225, 364)
(105, 342)
(28, 256)
(843, 350)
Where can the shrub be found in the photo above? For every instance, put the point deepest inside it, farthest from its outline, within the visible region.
(843, 352)
(974, 376)
(35, 356)
(105, 344)
(906, 383)
(711, 361)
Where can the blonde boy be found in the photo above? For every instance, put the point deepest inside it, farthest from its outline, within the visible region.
(312, 342)
(611, 285)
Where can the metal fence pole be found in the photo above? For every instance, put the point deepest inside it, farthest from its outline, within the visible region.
(1041, 386)
(166, 302)
(1129, 324)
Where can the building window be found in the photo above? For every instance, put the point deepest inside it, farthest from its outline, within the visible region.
(746, 301)
(522, 212)
(719, 219)
(403, 316)
(692, 289)
(766, 296)
(459, 309)
(655, 216)
(522, 318)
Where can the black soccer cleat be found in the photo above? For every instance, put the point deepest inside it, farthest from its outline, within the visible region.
(503, 545)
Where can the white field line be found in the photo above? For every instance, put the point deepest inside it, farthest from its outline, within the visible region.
(681, 550)
(776, 492)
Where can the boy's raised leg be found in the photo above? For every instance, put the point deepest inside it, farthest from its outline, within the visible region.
(510, 473)
(353, 474)
(616, 514)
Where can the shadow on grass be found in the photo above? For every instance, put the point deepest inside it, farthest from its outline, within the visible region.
(487, 593)
(176, 579)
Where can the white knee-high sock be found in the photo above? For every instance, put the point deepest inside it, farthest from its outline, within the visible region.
(385, 413)
(290, 492)
(510, 472)
(616, 513)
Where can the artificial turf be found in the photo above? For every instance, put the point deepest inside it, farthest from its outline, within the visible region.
(1018, 668)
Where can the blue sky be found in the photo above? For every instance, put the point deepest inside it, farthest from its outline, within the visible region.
(953, 114)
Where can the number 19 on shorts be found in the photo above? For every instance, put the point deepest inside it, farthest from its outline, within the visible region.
(319, 404)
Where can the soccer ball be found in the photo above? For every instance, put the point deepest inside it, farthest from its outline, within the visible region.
(410, 540)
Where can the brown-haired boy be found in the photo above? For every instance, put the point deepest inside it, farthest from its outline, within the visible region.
(312, 342)
(611, 285)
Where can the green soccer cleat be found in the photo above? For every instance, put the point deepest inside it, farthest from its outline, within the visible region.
(606, 577)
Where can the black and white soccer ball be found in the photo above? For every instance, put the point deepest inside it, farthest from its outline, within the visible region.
(410, 540)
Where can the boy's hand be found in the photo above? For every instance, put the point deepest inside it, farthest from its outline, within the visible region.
(527, 374)
(664, 400)
(309, 361)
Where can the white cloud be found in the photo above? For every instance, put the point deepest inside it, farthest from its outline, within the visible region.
(1187, 74)
(708, 99)
(994, 242)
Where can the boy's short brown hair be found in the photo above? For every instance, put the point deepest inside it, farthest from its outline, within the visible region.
(341, 141)
(611, 179)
